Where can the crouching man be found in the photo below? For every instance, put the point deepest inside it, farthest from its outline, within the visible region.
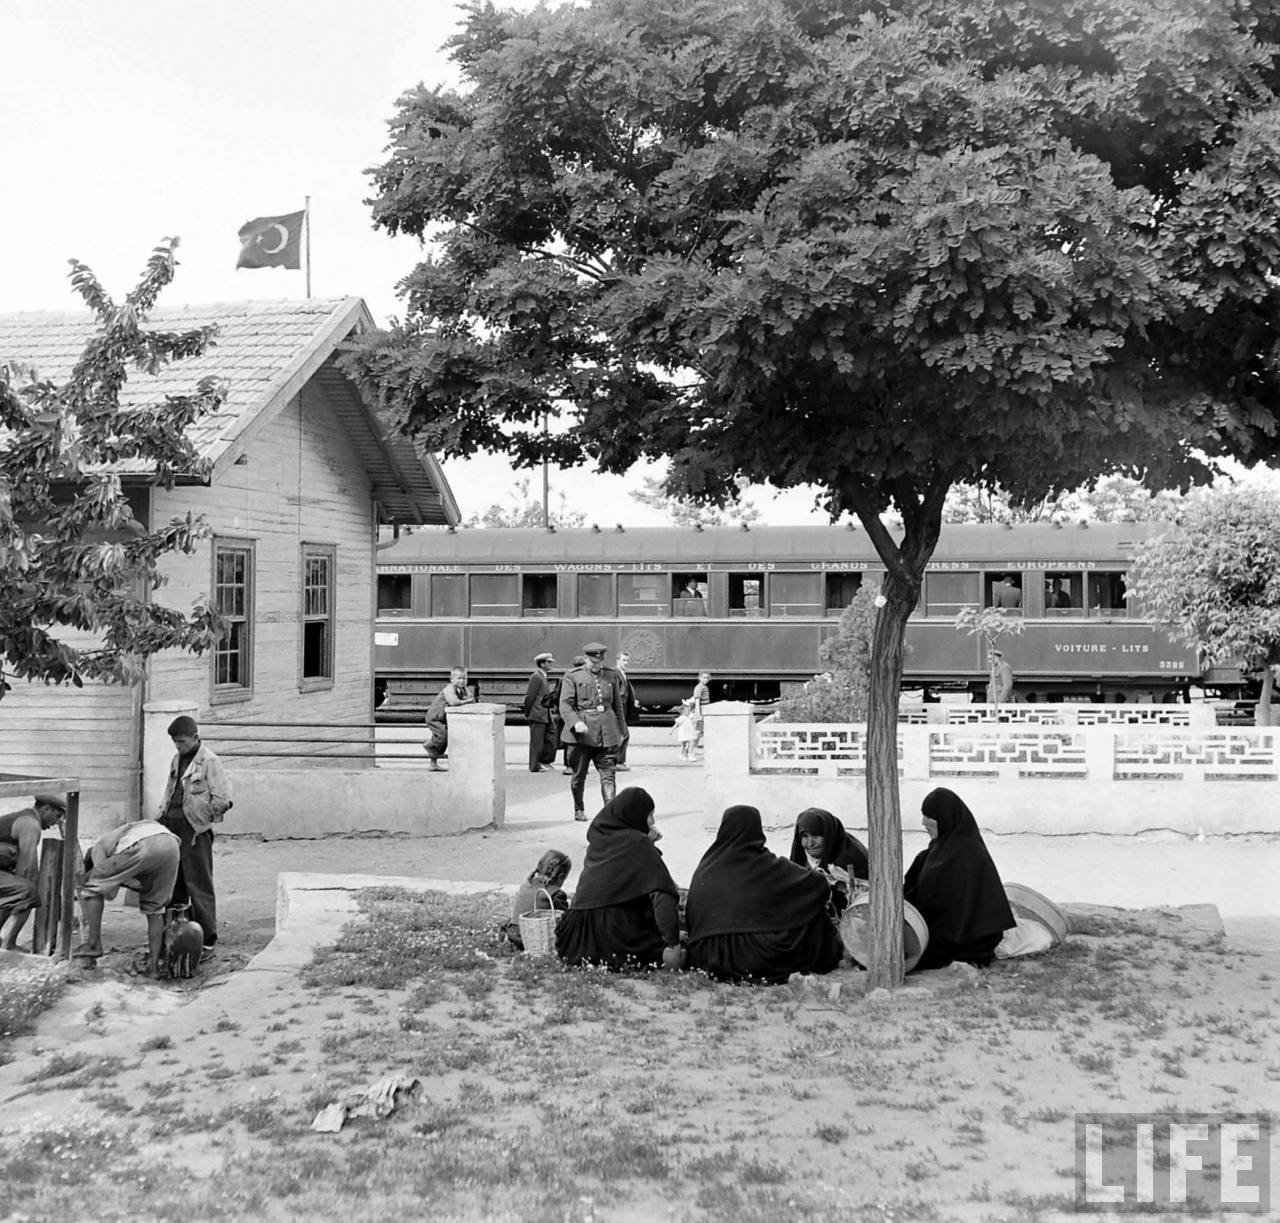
(143, 857)
(20, 836)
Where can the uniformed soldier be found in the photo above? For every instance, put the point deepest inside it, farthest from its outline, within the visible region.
(591, 708)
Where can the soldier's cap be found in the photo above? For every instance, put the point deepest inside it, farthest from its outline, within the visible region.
(595, 647)
(537, 658)
(52, 800)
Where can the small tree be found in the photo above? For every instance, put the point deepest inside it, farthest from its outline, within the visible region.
(521, 509)
(991, 624)
(72, 554)
(686, 512)
(840, 693)
(1213, 581)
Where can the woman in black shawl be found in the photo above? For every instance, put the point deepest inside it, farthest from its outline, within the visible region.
(625, 912)
(754, 916)
(956, 887)
(820, 841)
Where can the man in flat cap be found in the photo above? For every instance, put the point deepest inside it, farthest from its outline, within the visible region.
(196, 798)
(592, 710)
(20, 836)
(537, 712)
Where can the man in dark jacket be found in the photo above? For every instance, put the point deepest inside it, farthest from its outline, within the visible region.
(630, 713)
(591, 708)
(537, 713)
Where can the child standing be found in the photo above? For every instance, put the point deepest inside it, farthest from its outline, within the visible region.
(686, 729)
(546, 880)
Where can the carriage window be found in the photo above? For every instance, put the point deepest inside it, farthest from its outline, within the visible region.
(1002, 590)
(643, 594)
(494, 594)
(1108, 595)
(395, 593)
(795, 594)
(1063, 594)
(538, 594)
(448, 594)
(746, 594)
(689, 594)
(841, 590)
(595, 594)
(945, 594)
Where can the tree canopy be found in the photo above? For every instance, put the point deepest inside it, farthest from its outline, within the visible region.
(1213, 580)
(73, 557)
(881, 247)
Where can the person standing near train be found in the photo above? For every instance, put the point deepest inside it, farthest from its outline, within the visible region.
(537, 712)
(701, 698)
(628, 709)
(593, 715)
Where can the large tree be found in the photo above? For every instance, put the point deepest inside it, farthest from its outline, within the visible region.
(1213, 580)
(74, 560)
(877, 246)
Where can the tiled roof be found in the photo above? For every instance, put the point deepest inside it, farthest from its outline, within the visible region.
(264, 352)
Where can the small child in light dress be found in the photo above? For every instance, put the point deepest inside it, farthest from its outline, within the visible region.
(546, 880)
(685, 729)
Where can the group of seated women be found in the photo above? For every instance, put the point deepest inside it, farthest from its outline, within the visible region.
(751, 915)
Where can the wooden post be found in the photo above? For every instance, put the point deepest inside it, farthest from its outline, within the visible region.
(70, 854)
(44, 936)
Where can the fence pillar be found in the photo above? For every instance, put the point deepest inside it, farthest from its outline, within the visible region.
(477, 736)
(157, 751)
(727, 734)
(1100, 752)
(915, 751)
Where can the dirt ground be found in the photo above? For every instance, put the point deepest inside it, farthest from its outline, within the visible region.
(954, 1099)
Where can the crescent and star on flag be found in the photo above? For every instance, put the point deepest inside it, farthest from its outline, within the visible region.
(272, 241)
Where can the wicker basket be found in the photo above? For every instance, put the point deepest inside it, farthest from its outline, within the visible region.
(855, 931)
(538, 928)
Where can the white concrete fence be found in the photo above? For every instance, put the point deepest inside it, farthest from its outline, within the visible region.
(1077, 768)
(279, 797)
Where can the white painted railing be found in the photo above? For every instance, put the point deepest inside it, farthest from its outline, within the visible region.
(1080, 774)
(1023, 750)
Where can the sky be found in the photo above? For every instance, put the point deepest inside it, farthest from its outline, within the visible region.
(125, 122)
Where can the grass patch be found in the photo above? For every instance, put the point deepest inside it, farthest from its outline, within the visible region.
(24, 995)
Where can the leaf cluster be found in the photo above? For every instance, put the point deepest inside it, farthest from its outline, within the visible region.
(879, 247)
(74, 559)
(1213, 578)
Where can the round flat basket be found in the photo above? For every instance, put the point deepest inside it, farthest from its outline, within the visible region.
(1027, 902)
(855, 932)
(538, 928)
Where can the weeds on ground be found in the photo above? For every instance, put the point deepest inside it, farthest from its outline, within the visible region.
(24, 995)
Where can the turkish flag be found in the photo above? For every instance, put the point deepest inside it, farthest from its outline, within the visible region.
(271, 242)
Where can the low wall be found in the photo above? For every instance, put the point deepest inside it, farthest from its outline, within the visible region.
(1070, 781)
(283, 800)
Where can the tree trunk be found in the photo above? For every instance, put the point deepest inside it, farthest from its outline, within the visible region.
(884, 823)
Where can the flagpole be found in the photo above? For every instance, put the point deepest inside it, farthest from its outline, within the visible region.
(307, 218)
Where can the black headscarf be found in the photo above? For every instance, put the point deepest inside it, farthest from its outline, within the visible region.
(839, 848)
(953, 882)
(742, 888)
(621, 862)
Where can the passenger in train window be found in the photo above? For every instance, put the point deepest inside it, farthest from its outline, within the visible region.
(689, 590)
(1005, 593)
(454, 693)
(592, 711)
(820, 843)
(955, 885)
(626, 909)
(754, 916)
(1056, 598)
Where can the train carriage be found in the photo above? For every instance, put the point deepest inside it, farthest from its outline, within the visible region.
(752, 607)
